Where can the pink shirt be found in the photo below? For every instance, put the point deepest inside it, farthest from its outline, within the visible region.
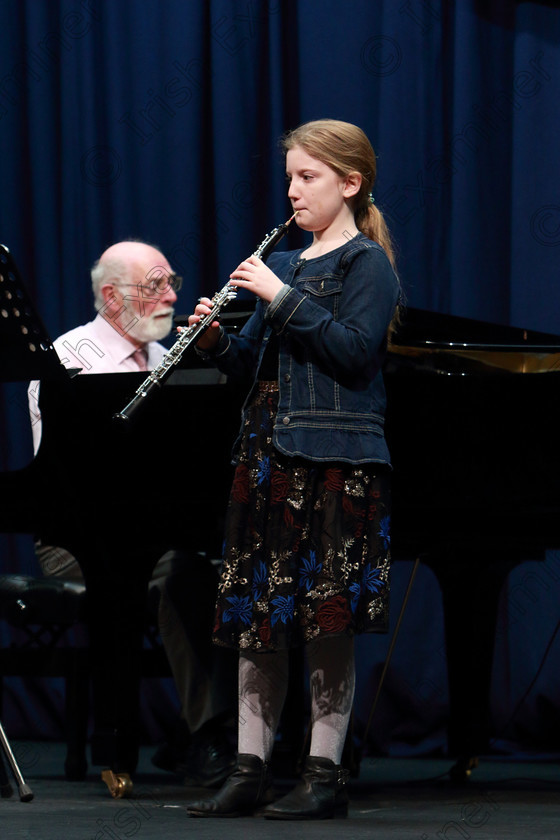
(95, 347)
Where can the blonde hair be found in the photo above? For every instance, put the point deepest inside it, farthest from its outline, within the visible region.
(345, 148)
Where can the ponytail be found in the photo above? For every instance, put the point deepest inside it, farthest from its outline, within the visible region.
(371, 222)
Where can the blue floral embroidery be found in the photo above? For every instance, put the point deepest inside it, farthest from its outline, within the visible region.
(240, 610)
(260, 581)
(309, 571)
(284, 611)
(385, 530)
(355, 589)
(264, 471)
(372, 579)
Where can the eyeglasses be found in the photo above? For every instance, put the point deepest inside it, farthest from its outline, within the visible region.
(157, 286)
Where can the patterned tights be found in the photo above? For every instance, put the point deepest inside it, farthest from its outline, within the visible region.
(263, 681)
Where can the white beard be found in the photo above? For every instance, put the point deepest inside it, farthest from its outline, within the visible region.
(151, 327)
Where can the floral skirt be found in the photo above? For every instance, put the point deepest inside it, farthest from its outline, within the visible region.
(307, 545)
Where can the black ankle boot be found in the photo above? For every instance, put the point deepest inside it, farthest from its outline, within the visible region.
(248, 787)
(321, 794)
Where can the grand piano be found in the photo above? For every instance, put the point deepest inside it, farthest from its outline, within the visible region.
(475, 489)
(472, 428)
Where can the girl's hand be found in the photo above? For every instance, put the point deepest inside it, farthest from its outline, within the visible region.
(252, 274)
(210, 336)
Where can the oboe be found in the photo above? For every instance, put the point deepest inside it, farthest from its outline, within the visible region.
(189, 335)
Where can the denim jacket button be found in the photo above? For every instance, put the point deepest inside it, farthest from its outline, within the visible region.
(287, 377)
(286, 421)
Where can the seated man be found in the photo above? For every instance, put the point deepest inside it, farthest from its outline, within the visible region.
(134, 292)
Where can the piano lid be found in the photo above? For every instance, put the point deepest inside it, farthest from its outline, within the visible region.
(452, 345)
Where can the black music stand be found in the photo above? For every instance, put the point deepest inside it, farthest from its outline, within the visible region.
(26, 353)
(26, 350)
(25, 792)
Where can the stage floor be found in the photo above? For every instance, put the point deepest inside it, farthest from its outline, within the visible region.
(404, 799)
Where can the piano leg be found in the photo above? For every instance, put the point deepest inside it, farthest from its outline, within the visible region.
(471, 582)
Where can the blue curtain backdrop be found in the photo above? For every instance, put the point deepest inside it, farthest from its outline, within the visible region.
(160, 120)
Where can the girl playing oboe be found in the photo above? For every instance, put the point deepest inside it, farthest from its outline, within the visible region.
(307, 542)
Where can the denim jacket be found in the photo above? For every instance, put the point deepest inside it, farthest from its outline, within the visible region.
(331, 318)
